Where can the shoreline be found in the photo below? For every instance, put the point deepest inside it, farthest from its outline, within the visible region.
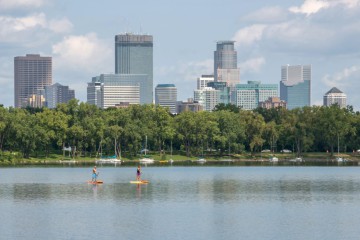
(189, 162)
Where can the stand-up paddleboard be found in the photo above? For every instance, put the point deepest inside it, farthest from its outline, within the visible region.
(140, 182)
(95, 182)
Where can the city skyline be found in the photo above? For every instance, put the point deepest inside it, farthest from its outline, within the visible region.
(267, 36)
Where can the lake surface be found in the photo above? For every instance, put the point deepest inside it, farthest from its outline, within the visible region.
(181, 203)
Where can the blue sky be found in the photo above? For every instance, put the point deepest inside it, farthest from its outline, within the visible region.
(79, 35)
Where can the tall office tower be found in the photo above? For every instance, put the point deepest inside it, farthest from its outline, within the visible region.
(56, 94)
(31, 73)
(295, 85)
(203, 81)
(335, 96)
(166, 96)
(225, 64)
(207, 97)
(94, 92)
(248, 96)
(134, 55)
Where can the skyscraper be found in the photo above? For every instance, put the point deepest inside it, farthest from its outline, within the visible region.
(134, 55)
(225, 63)
(31, 73)
(203, 81)
(108, 90)
(335, 96)
(295, 85)
(56, 94)
(166, 96)
(208, 97)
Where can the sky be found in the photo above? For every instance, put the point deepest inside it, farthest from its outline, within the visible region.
(79, 36)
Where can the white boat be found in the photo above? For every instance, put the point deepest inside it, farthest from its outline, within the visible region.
(274, 159)
(201, 160)
(298, 159)
(339, 159)
(110, 159)
(146, 159)
(68, 161)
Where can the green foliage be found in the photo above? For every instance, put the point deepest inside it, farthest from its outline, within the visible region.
(228, 130)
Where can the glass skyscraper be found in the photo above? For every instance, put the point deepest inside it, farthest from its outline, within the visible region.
(134, 55)
(295, 85)
(225, 63)
(31, 73)
(166, 96)
(58, 93)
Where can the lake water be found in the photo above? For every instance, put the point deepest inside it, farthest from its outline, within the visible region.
(181, 203)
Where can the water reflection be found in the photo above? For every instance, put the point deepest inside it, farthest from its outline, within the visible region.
(183, 203)
(213, 190)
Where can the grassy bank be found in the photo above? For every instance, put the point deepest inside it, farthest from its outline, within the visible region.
(15, 159)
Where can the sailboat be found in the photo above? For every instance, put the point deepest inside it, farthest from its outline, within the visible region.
(109, 159)
(201, 160)
(146, 159)
(339, 159)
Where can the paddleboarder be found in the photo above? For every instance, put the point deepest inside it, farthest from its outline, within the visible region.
(94, 174)
(138, 173)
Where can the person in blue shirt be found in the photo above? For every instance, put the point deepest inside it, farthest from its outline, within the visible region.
(94, 175)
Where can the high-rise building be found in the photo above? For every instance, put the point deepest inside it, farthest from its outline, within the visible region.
(94, 92)
(224, 91)
(109, 90)
(225, 64)
(203, 81)
(31, 73)
(335, 96)
(166, 96)
(57, 93)
(134, 55)
(295, 85)
(248, 96)
(207, 97)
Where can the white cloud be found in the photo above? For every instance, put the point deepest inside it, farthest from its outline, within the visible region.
(15, 4)
(249, 35)
(11, 25)
(252, 65)
(268, 15)
(310, 7)
(340, 79)
(31, 27)
(82, 53)
(60, 26)
(314, 6)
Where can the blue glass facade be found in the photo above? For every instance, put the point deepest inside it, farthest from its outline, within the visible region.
(134, 55)
(296, 96)
(224, 91)
(249, 95)
(295, 85)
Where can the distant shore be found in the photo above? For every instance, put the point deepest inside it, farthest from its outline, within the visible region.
(243, 159)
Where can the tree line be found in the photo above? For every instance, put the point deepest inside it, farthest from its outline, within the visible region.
(227, 130)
